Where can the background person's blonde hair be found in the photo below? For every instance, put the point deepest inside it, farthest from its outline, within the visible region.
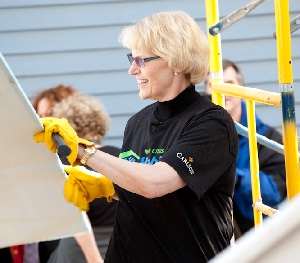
(85, 114)
(174, 36)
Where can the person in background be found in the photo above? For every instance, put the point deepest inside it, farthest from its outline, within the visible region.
(90, 120)
(175, 175)
(271, 163)
(47, 98)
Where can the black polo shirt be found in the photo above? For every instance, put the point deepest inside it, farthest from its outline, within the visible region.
(198, 139)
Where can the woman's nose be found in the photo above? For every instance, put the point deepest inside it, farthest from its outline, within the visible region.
(134, 69)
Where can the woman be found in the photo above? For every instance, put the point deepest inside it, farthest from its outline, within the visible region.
(176, 180)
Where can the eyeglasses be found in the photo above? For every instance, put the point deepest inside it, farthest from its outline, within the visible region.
(140, 62)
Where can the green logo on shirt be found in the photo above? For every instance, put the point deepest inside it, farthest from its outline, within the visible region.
(125, 155)
(154, 151)
(155, 155)
(147, 151)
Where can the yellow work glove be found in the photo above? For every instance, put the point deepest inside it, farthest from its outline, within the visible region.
(65, 130)
(83, 186)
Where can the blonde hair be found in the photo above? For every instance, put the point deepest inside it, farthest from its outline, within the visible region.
(174, 36)
(85, 114)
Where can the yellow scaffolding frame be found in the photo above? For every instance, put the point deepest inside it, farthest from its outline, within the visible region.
(284, 99)
(285, 76)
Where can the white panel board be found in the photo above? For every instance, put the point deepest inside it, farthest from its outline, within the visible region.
(32, 206)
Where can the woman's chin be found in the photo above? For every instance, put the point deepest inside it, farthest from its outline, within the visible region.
(143, 95)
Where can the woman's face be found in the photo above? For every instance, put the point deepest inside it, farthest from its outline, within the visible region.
(43, 108)
(156, 80)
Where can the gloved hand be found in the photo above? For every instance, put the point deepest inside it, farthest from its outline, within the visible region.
(83, 186)
(65, 130)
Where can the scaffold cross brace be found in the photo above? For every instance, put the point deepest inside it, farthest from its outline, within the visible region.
(233, 17)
